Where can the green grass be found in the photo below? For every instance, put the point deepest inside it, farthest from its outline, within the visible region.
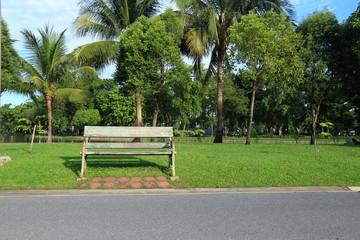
(57, 165)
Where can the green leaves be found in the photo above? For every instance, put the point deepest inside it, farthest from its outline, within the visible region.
(10, 61)
(268, 47)
(107, 19)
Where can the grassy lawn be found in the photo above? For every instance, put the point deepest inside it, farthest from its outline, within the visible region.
(57, 165)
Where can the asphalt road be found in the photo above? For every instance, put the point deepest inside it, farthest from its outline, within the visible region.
(185, 216)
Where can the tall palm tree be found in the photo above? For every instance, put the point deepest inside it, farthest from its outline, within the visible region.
(107, 19)
(47, 68)
(207, 33)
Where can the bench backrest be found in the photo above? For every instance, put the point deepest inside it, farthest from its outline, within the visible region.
(128, 132)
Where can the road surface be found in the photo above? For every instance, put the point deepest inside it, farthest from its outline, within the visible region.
(306, 215)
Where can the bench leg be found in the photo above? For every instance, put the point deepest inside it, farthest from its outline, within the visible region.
(83, 167)
(172, 166)
(83, 160)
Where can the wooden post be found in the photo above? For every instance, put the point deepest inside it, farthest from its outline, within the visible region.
(173, 174)
(32, 139)
(83, 158)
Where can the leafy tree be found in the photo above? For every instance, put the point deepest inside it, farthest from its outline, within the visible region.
(268, 47)
(319, 31)
(186, 98)
(235, 104)
(12, 117)
(86, 117)
(149, 60)
(107, 19)
(116, 108)
(348, 59)
(47, 69)
(207, 31)
(10, 61)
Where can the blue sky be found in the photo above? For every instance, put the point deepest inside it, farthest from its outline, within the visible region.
(34, 14)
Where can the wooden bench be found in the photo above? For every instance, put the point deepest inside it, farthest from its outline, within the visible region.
(91, 147)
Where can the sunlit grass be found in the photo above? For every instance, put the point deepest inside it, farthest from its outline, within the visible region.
(57, 165)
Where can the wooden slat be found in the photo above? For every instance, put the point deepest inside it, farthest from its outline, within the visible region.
(102, 131)
(128, 153)
(127, 145)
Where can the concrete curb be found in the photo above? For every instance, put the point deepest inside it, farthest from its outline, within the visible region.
(110, 192)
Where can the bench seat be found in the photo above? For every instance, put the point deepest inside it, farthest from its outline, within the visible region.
(128, 152)
(127, 148)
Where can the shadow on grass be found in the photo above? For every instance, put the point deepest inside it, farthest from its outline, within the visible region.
(74, 163)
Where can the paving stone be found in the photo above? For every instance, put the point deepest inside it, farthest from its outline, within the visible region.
(96, 179)
(135, 179)
(110, 179)
(95, 185)
(135, 184)
(109, 184)
(163, 184)
(149, 179)
(150, 184)
(83, 185)
(123, 179)
(123, 185)
(162, 178)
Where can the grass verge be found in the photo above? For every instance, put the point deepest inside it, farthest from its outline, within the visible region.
(57, 165)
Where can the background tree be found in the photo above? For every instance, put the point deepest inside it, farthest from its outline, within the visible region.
(348, 60)
(268, 47)
(207, 24)
(149, 59)
(106, 20)
(319, 31)
(116, 108)
(86, 117)
(10, 61)
(47, 68)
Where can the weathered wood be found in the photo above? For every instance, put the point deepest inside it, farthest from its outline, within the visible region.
(32, 139)
(128, 132)
(128, 152)
(83, 158)
(127, 145)
(99, 131)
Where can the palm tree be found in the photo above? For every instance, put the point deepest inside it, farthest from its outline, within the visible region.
(207, 31)
(107, 19)
(47, 69)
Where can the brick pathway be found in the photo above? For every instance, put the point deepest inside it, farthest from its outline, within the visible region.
(124, 182)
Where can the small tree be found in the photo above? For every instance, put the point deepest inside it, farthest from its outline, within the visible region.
(319, 31)
(48, 68)
(149, 59)
(10, 64)
(267, 47)
(90, 117)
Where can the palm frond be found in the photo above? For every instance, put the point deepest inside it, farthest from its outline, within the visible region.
(197, 42)
(97, 54)
(108, 18)
(36, 82)
(149, 8)
(71, 94)
(99, 18)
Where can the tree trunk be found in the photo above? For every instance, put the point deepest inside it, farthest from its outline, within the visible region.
(156, 110)
(212, 122)
(219, 132)
(48, 98)
(251, 115)
(156, 113)
(271, 131)
(281, 132)
(139, 121)
(314, 117)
